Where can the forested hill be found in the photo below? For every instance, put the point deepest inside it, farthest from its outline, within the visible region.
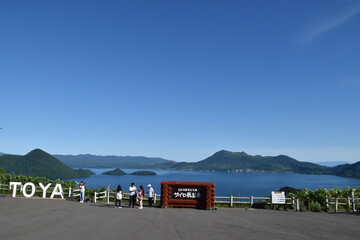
(38, 163)
(240, 161)
(94, 161)
(347, 170)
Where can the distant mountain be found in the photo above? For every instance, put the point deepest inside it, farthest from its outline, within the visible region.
(347, 170)
(240, 161)
(38, 163)
(332, 164)
(94, 161)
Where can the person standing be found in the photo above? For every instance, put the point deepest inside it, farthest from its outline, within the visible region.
(141, 196)
(118, 197)
(151, 194)
(132, 190)
(82, 192)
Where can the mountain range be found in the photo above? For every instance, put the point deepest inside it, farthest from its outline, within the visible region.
(242, 162)
(40, 163)
(94, 161)
(220, 161)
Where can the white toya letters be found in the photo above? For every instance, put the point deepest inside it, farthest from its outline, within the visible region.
(58, 191)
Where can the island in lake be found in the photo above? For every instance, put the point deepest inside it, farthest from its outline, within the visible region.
(118, 171)
(147, 173)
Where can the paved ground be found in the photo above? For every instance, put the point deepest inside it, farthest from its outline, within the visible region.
(60, 219)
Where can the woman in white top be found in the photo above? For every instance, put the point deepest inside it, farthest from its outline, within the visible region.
(132, 190)
(82, 192)
(118, 197)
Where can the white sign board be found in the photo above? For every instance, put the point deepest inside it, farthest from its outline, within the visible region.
(277, 197)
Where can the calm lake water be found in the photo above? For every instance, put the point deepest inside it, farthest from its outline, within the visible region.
(237, 184)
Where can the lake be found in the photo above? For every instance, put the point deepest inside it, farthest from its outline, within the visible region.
(237, 184)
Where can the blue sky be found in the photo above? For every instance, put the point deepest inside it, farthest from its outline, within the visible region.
(181, 79)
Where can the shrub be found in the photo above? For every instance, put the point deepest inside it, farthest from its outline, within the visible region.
(314, 207)
(320, 196)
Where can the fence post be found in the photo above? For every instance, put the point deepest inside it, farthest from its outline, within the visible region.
(155, 198)
(108, 194)
(297, 205)
(353, 200)
(336, 204)
(251, 201)
(231, 200)
(95, 197)
(327, 202)
(72, 194)
(348, 202)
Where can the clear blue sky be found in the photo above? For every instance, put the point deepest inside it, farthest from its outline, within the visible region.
(181, 79)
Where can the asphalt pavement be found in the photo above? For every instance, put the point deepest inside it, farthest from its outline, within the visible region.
(60, 219)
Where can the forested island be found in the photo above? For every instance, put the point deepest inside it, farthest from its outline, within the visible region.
(144, 173)
(118, 171)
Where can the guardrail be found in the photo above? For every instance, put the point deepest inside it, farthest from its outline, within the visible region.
(231, 200)
(349, 202)
(101, 195)
(112, 195)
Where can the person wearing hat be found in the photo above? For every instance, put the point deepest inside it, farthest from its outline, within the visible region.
(151, 195)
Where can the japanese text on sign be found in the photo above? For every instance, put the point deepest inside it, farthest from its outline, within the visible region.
(187, 193)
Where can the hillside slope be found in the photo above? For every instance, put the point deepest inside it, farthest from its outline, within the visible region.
(347, 170)
(226, 160)
(38, 163)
